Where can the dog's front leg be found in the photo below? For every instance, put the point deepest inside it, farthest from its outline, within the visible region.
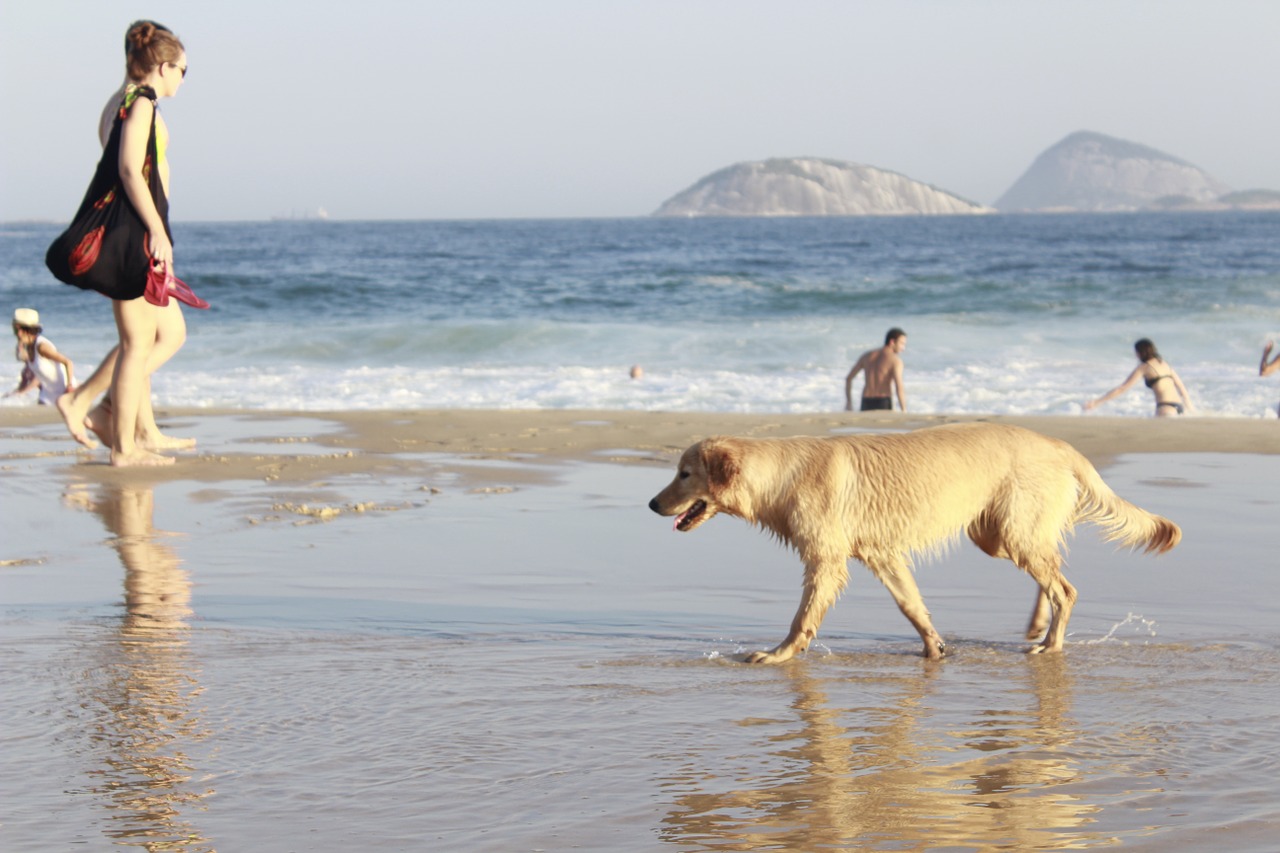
(822, 583)
(895, 574)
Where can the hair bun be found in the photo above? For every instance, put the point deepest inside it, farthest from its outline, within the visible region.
(141, 33)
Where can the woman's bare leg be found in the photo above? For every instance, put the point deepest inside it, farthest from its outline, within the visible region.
(74, 406)
(171, 334)
(136, 320)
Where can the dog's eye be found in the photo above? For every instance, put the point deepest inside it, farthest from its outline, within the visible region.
(684, 475)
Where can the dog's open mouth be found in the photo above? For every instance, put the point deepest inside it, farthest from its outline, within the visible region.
(690, 516)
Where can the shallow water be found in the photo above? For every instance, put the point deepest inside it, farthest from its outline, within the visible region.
(548, 667)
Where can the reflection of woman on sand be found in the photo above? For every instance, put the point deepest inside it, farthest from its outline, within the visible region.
(1171, 395)
(143, 685)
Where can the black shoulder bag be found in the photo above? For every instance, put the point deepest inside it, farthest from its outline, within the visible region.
(106, 246)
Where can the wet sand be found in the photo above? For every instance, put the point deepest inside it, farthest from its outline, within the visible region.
(464, 630)
(373, 441)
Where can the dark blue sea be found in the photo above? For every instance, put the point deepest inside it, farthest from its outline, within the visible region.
(1005, 314)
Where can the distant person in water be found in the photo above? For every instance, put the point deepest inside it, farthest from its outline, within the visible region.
(1171, 395)
(43, 366)
(882, 369)
(1266, 368)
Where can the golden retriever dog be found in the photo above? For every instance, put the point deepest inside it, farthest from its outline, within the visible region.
(885, 499)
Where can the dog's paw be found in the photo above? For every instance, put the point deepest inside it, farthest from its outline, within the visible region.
(934, 647)
(778, 655)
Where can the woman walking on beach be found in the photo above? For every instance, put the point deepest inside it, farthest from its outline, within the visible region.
(1171, 395)
(150, 333)
(77, 407)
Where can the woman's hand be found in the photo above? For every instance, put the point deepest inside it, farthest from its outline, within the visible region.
(161, 249)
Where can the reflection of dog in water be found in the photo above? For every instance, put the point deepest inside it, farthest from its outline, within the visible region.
(884, 498)
(875, 763)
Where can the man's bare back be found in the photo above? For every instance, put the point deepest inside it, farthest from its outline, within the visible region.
(882, 369)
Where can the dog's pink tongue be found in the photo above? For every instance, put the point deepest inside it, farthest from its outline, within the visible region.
(679, 518)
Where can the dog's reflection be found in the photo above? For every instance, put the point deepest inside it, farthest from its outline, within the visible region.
(894, 773)
(141, 692)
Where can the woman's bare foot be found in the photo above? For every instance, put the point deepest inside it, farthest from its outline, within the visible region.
(100, 421)
(74, 416)
(139, 458)
(159, 441)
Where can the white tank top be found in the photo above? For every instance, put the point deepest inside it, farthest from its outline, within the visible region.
(52, 375)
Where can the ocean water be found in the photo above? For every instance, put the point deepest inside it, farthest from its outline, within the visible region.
(1005, 314)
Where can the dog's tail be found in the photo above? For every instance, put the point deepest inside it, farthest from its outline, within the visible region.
(1121, 522)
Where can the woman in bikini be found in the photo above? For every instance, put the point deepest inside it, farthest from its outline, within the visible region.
(1171, 395)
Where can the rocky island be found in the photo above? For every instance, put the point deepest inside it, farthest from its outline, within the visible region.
(808, 186)
(1091, 172)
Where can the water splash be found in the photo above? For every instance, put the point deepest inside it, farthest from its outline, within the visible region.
(1138, 625)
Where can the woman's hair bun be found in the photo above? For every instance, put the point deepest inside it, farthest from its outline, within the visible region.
(141, 33)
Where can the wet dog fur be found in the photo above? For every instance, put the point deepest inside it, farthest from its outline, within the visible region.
(886, 499)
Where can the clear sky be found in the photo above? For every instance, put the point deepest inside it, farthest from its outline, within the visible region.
(407, 109)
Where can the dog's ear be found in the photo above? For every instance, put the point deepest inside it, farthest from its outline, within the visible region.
(720, 461)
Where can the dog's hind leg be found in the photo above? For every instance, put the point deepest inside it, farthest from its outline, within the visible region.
(986, 535)
(822, 584)
(1040, 615)
(896, 575)
(1061, 596)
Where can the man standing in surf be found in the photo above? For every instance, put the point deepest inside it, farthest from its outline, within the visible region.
(883, 371)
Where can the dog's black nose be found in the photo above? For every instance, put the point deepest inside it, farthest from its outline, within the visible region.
(653, 505)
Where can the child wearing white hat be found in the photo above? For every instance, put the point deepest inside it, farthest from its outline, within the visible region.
(42, 364)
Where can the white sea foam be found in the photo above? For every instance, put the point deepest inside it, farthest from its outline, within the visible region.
(952, 390)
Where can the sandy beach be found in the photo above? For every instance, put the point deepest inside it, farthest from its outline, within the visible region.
(463, 629)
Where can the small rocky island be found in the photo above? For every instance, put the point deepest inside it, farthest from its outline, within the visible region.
(1091, 172)
(808, 186)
